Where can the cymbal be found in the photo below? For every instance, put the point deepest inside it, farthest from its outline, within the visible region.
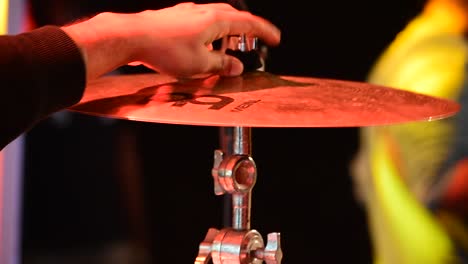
(257, 99)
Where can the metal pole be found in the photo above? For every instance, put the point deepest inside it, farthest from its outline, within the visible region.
(236, 141)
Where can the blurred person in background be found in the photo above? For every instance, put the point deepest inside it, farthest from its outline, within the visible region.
(412, 179)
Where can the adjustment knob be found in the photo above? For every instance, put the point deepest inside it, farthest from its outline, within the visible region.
(272, 253)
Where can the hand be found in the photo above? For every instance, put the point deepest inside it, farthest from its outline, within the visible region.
(175, 40)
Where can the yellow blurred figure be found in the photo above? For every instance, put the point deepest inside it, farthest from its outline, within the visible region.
(3, 16)
(410, 177)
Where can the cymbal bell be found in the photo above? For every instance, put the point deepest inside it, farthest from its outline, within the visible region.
(257, 99)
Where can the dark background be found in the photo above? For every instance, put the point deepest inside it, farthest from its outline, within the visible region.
(91, 183)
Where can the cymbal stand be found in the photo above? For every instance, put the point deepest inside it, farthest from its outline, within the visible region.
(235, 173)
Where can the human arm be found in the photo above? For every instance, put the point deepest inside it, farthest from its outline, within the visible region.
(175, 41)
(45, 74)
(41, 72)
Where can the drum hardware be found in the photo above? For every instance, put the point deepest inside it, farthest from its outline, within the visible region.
(235, 104)
(235, 174)
(257, 99)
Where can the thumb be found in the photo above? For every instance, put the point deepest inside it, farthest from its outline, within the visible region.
(226, 65)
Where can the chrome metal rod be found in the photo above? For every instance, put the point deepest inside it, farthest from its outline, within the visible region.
(241, 205)
(237, 207)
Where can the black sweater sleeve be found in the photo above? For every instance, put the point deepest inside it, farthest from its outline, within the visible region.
(41, 72)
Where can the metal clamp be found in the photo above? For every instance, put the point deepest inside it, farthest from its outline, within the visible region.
(229, 246)
(233, 174)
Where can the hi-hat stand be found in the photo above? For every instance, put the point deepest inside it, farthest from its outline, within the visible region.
(235, 173)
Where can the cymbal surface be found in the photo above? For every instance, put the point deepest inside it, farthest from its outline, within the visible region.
(257, 99)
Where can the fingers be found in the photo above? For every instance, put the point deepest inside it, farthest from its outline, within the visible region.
(183, 47)
(223, 64)
(218, 6)
(251, 25)
(234, 22)
(229, 21)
